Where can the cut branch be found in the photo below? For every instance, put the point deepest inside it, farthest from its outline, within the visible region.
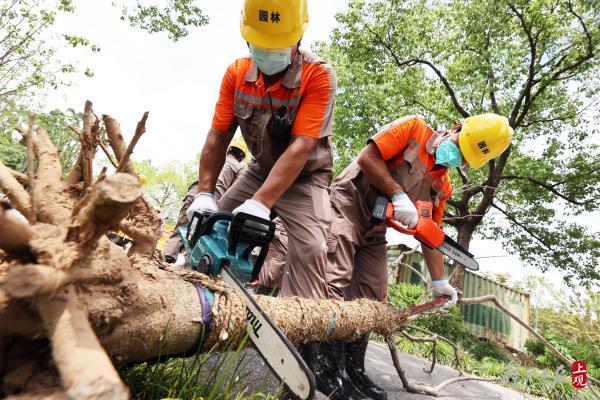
(139, 131)
(88, 149)
(497, 303)
(115, 139)
(20, 177)
(31, 169)
(108, 155)
(444, 339)
(52, 203)
(430, 339)
(33, 280)
(109, 201)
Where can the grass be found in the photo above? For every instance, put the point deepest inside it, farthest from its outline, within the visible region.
(206, 376)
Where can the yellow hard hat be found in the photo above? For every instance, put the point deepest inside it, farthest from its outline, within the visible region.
(142, 179)
(273, 24)
(240, 144)
(483, 137)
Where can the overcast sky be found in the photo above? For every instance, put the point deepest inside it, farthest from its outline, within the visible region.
(178, 83)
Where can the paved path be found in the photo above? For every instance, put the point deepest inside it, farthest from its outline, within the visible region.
(381, 370)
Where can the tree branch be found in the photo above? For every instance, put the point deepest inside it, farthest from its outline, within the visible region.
(16, 232)
(514, 221)
(459, 108)
(30, 169)
(86, 371)
(549, 187)
(417, 388)
(525, 93)
(444, 339)
(107, 204)
(139, 131)
(497, 303)
(115, 139)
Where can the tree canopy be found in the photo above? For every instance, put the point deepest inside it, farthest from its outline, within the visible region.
(532, 61)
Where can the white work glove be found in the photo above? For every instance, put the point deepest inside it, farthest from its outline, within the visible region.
(405, 211)
(255, 208)
(203, 201)
(441, 287)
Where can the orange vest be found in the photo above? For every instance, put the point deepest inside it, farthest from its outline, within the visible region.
(403, 145)
(307, 93)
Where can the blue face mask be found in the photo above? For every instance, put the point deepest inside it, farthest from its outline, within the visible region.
(271, 62)
(448, 154)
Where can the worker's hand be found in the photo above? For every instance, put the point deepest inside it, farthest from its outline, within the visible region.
(405, 211)
(203, 201)
(255, 208)
(441, 287)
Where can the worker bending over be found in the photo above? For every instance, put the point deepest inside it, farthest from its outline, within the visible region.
(406, 161)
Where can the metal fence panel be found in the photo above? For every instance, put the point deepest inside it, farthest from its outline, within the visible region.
(483, 320)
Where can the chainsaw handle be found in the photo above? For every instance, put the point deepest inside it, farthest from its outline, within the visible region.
(398, 227)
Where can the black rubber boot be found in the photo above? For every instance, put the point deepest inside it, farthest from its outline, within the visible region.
(332, 379)
(355, 367)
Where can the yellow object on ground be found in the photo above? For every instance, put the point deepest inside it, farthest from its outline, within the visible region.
(274, 24)
(483, 137)
(167, 232)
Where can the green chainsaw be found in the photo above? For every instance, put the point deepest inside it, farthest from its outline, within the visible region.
(223, 245)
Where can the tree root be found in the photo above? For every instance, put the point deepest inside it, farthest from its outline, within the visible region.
(18, 196)
(86, 371)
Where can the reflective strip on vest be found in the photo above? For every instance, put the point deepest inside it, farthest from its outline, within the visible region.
(264, 100)
(411, 155)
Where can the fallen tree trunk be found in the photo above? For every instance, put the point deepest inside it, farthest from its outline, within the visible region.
(65, 287)
(64, 283)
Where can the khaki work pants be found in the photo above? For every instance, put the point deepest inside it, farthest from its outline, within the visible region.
(305, 212)
(356, 260)
(174, 245)
(272, 269)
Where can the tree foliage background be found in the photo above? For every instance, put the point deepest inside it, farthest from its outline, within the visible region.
(167, 185)
(533, 61)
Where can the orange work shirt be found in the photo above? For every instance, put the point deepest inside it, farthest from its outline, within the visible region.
(306, 93)
(406, 146)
